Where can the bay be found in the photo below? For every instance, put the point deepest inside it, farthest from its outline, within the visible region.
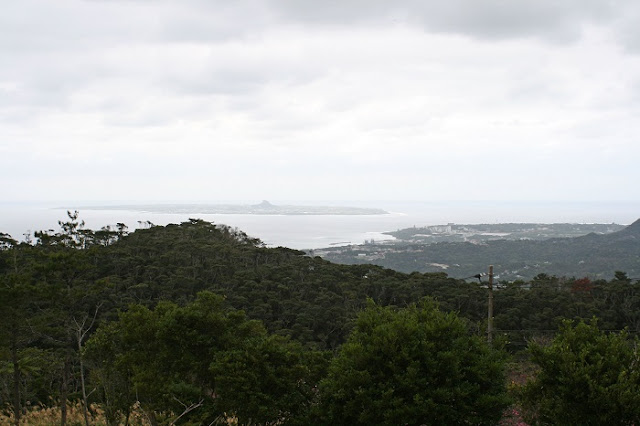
(319, 231)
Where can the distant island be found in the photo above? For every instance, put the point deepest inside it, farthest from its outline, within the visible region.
(263, 208)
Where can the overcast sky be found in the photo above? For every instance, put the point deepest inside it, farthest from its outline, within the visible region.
(202, 100)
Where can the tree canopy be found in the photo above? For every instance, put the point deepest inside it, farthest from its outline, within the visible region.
(201, 319)
(416, 365)
(585, 376)
(201, 361)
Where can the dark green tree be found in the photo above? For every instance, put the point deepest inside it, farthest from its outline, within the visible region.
(586, 376)
(67, 300)
(198, 362)
(416, 365)
(13, 305)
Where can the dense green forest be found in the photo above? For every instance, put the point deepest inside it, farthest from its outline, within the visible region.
(198, 323)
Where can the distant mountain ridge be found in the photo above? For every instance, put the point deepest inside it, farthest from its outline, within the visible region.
(633, 229)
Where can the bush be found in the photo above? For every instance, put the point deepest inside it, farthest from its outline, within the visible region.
(413, 366)
(586, 376)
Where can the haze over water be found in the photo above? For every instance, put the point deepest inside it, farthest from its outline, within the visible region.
(318, 231)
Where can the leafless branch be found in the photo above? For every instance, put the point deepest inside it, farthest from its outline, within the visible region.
(187, 409)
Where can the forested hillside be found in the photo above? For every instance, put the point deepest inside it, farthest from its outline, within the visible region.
(188, 322)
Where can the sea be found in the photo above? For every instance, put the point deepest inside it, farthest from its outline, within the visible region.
(321, 231)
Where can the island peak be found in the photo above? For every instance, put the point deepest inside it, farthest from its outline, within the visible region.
(265, 204)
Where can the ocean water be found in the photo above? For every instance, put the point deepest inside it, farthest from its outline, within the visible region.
(312, 232)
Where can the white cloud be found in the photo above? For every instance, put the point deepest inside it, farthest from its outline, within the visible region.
(344, 100)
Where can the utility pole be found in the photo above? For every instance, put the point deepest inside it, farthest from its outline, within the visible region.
(490, 313)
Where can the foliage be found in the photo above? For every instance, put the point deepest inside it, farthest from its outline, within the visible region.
(169, 348)
(416, 365)
(201, 360)
(586, 376)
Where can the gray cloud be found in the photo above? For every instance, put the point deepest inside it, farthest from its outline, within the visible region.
(553, 20)
(627, 28)
(68, 24)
